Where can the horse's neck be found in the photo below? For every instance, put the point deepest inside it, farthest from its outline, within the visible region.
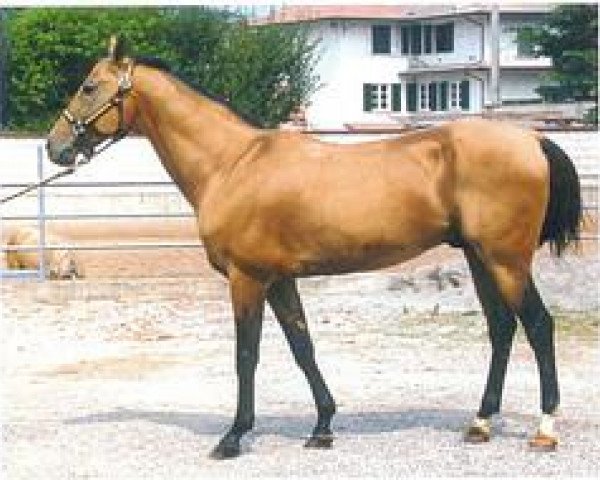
(193, 136)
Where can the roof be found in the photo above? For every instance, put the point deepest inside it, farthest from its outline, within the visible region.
(311, 13)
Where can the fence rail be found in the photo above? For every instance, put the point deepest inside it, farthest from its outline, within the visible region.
(589, 183)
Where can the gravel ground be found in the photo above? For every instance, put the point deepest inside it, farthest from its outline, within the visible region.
(120, 379)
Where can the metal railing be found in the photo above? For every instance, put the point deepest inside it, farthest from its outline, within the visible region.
(42, 217)
(589, 183)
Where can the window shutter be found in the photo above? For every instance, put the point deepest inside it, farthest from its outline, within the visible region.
(428, 33)
(382, 39)
(396, 97)
(444, 37)
(368, 89)
(444, 96)
(415, 40)
(465, 94)
(405, 34)
(433, 96)
(411, 97)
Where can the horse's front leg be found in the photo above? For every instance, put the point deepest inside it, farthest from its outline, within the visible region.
(248, 299)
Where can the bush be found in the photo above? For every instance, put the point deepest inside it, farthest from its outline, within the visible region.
(266, 72)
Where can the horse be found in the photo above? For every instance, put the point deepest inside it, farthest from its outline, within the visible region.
(60, 264)
(274, 206)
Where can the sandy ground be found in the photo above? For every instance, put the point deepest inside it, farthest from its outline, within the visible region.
(133, 378)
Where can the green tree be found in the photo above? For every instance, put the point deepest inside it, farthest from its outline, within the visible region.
(570, 37)
(266, 72)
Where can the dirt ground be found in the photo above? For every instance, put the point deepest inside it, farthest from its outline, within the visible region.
(129, 373)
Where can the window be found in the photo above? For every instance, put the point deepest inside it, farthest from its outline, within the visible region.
(454, 95)
(423, 104)
(444, 38)
(405, 34)
(382, 97)
(438, 96)
(427, 34)
(428, 39)
(382, 39)
(433, 97)
(415, 39)
(460, 95)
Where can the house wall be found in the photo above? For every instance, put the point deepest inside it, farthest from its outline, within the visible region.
(519, 85)
(346, 63)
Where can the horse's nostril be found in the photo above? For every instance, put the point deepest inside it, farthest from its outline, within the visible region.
(60, 154)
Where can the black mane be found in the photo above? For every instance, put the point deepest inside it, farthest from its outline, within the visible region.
(160, 64)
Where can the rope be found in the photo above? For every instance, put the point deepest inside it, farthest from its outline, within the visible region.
(35, 186)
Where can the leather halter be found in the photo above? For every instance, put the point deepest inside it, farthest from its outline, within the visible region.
(81, 128)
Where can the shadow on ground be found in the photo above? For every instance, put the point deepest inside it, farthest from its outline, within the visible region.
(298, 426)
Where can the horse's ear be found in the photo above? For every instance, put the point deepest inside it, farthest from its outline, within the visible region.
(116, 49)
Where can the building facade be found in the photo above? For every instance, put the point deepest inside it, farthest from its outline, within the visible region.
(391, 64)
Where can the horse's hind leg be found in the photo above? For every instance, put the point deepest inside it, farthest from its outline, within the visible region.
(539, 328)
(501, 329)
(510, 278)
(285, 303)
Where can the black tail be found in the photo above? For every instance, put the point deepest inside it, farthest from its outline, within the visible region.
(564, 212)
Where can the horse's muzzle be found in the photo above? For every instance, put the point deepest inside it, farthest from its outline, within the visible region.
(61, 154)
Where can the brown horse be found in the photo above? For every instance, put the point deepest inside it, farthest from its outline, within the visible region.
(273, 206)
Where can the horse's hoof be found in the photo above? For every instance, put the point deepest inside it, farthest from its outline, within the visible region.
(225, 450)
(476, 435)
(543, 443)
(319, 441)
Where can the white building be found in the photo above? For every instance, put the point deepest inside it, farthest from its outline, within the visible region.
(397, 63)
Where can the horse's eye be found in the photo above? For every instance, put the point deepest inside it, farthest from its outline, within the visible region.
(88, 87)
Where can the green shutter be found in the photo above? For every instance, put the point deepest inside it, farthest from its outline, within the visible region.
(405, 37)
(396, 97)
(415, 39)
(428, 33)
(368, 89)
(443, 96)
(411, 97)
(465, 94)
(433, 86)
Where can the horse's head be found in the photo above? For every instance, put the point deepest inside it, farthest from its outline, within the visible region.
(101, 111)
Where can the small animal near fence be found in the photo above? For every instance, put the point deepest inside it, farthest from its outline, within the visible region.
(589, 183)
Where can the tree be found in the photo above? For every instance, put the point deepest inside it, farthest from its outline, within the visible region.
(570, 37)
(265, 72)
(51, 50)
(3, 67)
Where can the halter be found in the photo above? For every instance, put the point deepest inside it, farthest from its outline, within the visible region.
(81, 128)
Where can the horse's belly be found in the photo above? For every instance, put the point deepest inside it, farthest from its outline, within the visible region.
(363, 258)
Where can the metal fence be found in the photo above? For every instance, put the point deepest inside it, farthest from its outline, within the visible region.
(589, 182)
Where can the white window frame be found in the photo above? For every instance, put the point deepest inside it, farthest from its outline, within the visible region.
(378, 95)
(423, 96)
(454, 96)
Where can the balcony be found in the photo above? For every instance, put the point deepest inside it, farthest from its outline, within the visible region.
(433, 63)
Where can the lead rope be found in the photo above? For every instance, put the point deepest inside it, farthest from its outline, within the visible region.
(35, 186)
